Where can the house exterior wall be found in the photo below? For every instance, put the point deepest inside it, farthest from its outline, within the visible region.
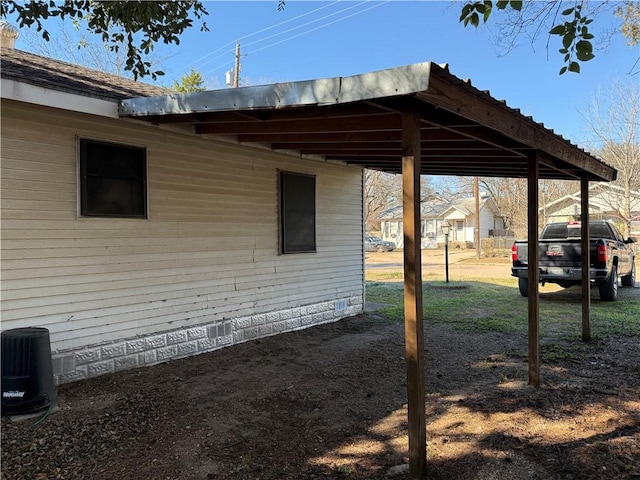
(392, 231)
(431, 231)
(570, 212)
(202, 272)
(488, 221)
(459, 227)
(605, 200)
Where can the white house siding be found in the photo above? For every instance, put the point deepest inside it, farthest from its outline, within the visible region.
(459, 230)
(467, 234)
(487, 222)
(202, 272)
(392, 231)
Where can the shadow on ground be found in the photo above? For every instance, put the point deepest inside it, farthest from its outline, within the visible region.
(329, 402)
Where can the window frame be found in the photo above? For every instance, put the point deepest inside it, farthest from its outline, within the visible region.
(285, 248)
(83, 194)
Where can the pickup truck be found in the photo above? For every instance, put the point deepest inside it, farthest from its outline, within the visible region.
(612, 257)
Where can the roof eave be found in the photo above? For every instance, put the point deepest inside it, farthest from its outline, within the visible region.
(406, 80)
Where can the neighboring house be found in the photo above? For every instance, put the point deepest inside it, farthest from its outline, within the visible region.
(435, 210)
(431, 208)
(462, 218)
(135, 244)
(605, 200)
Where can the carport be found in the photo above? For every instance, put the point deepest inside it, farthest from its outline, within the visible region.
(413, 120)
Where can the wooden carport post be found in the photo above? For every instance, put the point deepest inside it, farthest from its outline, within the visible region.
(533, 273)
(586, 258)
(413, 317)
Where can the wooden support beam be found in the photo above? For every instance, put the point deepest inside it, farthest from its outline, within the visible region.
(413, 317)
(533, 272)
(385, 122)
(586, 258)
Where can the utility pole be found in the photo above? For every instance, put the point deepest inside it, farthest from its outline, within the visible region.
(236, 69)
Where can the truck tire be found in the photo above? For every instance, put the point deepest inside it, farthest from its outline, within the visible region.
(523, 286)
(609, 289)
(630, 280)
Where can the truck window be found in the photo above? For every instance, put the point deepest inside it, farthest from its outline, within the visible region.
(616, 235)
(599, 231)
(558, 230)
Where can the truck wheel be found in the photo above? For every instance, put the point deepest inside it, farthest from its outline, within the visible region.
(630, 280)
(523, 286)
(609, 289)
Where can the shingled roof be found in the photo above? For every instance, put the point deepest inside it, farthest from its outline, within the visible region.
(57, 75)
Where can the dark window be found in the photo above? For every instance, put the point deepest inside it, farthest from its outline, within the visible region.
(556, 231)
(600, 230)
(297, 212)
(112, 180)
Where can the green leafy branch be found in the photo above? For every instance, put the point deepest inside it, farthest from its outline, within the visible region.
(471, 12)
(118, 23)
(574, 32)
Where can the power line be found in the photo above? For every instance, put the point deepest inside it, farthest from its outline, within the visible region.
(305, 24)
(291, 19)
(256, 33)
(321, 26)
(376, 5)
(289, 30)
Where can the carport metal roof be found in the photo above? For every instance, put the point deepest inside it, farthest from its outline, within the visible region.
(414, 120)
(357, 120)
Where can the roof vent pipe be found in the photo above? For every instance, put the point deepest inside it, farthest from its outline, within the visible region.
(8, 34)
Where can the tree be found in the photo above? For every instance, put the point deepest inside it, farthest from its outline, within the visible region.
(133, 25)
(381, 191)
(613, 116)
(510, 195)
(384, 190)
(630, 14)
(189, 82)
(73, 43)
(569, 20)
(137, 25)
(550, 191)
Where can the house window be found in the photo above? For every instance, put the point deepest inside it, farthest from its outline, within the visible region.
(297, 213)
(112, 180)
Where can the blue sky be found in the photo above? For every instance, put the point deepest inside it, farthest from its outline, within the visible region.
(327, 39)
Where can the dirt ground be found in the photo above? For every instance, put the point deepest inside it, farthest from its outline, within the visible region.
(330, 402)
